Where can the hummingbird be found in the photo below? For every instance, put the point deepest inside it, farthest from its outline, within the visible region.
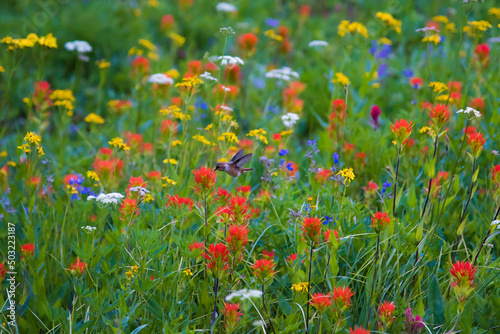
(235, 166)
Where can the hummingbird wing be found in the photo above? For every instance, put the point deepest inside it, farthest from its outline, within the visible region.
(238, 155)
(243, 160)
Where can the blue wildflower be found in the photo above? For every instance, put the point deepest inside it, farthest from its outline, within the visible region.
(336, 158)
(282, 162)
(283, 152)
(373, 49)
(386, 185)
(289, 166)
(408, 73)
(272, 22)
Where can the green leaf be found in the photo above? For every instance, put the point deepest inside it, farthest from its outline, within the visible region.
(435, 301)
(138, 329)
(334, 266)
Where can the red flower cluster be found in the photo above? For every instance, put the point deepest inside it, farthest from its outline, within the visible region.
(128, 208)
(332, 242)
(239, 209)
(321, 302)
(385, 311)
(78, 268)
(205, 179)
(237, 238)
(233, 314)
(439, 114)
(341, 296)
(323, 175)
(291, 258)
(244, 190)
(495, 174)
(264, 269)
(217, 256)
(179, 202)
(27, 250)
(358, 330)
(482, 53)
(463, 274)
(380, 220)
(402, 130)
(140, 66)
(247, 42)
(311, 229)
(476, 142)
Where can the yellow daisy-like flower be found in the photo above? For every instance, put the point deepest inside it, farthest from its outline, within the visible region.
(440, 18)
(341, 79)
(148, 198)
(129, 274)
(450, 27)
(438, 87)
(286, 133)
(176, 143)
(385, 40)
(169, 110)
(347, 174)
(271, 34)
(92, 175)
(94, 118)
(32, 138)
(148, 45)
(209, 126)
(424, 129)
(40, 151)
(390, 21)
(48, 41)
(168, 181)
(495, 12)
(300, 287)
(62, 94)
(71, 190)
(11, 163)
(177, 39)
(2, 69)
(476, 28)
(189, 82)
(346, 27)
(170, 161)
(202, 139)
(102, 64)
(188, 272)
(172, 73)
(3, 154)
(118, 142)
(135, 268)
(260, 134)
(25, 147)
(229, 136)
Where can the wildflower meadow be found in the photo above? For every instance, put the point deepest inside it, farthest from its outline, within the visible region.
(193, 166)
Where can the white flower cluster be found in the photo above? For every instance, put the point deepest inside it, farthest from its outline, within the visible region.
(208, 76)
(227, 31)
(226, 7)
(317, 43)
(89, 229)
(160, 78)
(290, 119)
(285, 73)
(496, 223)
(230, 60)
(141, 190)
(244, 294)
(469, 110)
(79, 46)
(111, 198)
(226, 108)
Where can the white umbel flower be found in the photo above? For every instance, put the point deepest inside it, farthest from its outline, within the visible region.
(141, 190)
(230, 60)
(317, 43)
(285, 73)
(244, 294)
(111, 198)
(208, 76)
(226, 7)
(78, 46)
(290, 119)
(89, 229)
(160, 78)
(469, 110)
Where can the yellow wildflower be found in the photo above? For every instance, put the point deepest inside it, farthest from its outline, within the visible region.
(169, 110)
(189, 82)
(230, 137)
(2, 69)
(148, 198)
(438, 87)
(71, 190)
(341, 79)
(25, 147)
(300, 287)
(351, 27)
(32, 138)
(259, 134)
(62, 94)
(148, 45)
(48, 41)
(170, 161)
(209, 126)
(94, 118)
(172, 73)
(347, 174)
(102, 64)
(129, 274)
(11, 163)
(424, 129)
(168, 181)
(177, 39)
(271, 34)
(92, 175)
(286, 133)
(176, 143)
(440, 18)
(188, 272)
(202, 139)
(495, 12)
(65, 104)
(436, 38)
(118, 142)
(450, 27)
(476, 28)
(3, 154)
(385, 40)
(40, 151)
(390, 21)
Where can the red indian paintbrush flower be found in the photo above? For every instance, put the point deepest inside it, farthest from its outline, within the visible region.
(179, 202)
(380, 220)
(439, 116)
(239, 209)
(495, 174)
(358, 330)
(263, 269)
(402, 130)
(205, 179)
(321, 302)
(291, 258)
(332, 240)
(482, 52)
(78, 268)
(217, 257)
(27, 250)
(196, 249)
(232, 314)
(311, 229)
(237, 238)
(476, 142)
(463, 273)
(462, 279)
(247, 42)
(477, 103)
(385, 311)
(244, 190)
(341, 296)
(129, 208)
